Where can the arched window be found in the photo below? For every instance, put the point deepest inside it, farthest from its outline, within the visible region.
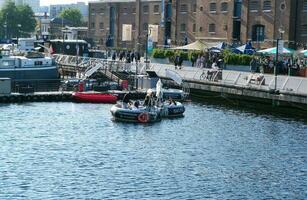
(267, 5)
(258, 32)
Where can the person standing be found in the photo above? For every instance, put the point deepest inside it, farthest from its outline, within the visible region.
(253, 65)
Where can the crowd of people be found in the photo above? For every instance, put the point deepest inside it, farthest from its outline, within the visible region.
(126, 56)
(212, 60)
(285, 66)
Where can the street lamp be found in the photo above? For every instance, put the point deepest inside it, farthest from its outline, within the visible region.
(279, 39)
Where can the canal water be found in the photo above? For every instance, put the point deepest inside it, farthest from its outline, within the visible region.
(75, 151)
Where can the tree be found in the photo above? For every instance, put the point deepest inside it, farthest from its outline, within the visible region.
(16, 21)
(73, 15)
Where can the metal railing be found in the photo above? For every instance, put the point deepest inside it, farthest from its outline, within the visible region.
(285, 84)
(106, 66)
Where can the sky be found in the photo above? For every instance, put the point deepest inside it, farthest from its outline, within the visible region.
(48, 2)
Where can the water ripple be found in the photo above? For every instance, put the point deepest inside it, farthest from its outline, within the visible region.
(74, 151)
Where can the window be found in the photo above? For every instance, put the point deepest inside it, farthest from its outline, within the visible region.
(183, 8)
(182, 27)
(258, 33)
(125, 11)
(194, 28)
(145, 27)
(224, 7)
(194, 8)
(237, 9)
(93, 11)
(212, 7)
(304, 30)
(211, 28)
(156, 8)
(101, 11)
(305, 6)
(92, 25)
(200, 29)
(145, 9)
(133, 26)
(133, 10)
(254, 6)
(267, 6)
(201, 8)
(101, 25)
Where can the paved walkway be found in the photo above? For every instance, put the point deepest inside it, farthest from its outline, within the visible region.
(287, 84)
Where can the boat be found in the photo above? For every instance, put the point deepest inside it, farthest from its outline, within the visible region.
(135, 115)
(30, 66)
(172, 110)
(94, 97)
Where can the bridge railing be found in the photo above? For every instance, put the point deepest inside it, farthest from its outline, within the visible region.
(112, 65)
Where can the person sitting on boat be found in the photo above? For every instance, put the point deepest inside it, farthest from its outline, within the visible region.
(136, 105)
(171, 102)
(127, 100)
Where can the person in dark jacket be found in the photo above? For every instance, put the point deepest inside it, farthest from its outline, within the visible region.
(127, 100)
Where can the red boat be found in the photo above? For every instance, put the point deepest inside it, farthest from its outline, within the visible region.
(90, 97)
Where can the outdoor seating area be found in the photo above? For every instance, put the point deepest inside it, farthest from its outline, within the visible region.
(241, 58)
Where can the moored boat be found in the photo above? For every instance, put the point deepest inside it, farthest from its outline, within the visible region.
(172, 110)
(92, 97)
(135, 115)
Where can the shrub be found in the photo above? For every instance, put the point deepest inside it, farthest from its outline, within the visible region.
(158, 53)
(194, 54)
(236, 59)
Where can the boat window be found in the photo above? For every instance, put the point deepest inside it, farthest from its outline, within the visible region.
(38, 63)
(7, 63)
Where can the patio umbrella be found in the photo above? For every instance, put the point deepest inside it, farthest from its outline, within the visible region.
(272, 51)
(304, 52)
(197, 45)
(218, 47)
(245, 49)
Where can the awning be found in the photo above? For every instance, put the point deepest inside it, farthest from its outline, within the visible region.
(197, 45)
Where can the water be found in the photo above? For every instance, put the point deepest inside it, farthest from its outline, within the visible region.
(74, 151)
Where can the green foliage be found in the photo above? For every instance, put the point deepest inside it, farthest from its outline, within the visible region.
(158, 53)
(17, 21)
(183, 54)
(194, 55)
(170, 54)
(236, 59)
(73, 15)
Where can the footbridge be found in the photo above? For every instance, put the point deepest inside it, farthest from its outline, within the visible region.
(84, 67)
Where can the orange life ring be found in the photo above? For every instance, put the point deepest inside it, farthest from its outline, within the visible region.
(143, 117)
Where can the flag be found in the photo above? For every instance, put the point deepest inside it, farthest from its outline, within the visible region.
(159, 93)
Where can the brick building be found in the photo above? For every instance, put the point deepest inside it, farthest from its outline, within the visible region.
(259, 21)
(232, 21)
(176, 26)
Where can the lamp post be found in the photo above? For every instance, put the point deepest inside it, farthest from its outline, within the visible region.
(281, 31)
(18, 34)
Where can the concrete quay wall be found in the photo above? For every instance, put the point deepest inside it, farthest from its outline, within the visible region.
(292, 91)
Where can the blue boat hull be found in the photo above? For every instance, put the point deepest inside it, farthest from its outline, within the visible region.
(42, 73)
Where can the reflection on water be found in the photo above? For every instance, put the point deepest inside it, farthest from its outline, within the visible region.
(67, 150)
